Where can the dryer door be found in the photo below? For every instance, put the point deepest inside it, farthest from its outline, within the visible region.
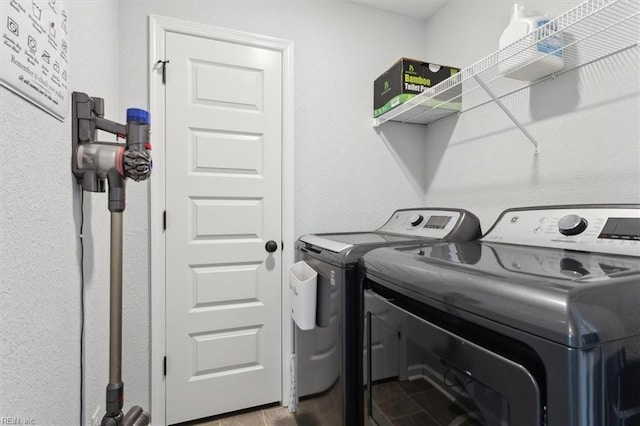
(444, 379)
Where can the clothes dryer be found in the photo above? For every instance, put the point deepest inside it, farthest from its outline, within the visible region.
(329, 357)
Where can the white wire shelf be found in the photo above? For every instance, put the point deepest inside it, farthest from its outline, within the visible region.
(593, 30)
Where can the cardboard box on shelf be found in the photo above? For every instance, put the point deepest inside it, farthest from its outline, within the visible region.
(408, 78)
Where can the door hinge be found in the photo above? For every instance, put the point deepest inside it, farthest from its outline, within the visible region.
(164, 366)
(163, 64)
(164, 220)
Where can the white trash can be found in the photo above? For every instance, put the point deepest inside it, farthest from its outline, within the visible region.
(303, 281)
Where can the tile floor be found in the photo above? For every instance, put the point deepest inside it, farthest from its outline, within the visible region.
(319, 410)
(416, 403)
(274, 415)
(405, 403)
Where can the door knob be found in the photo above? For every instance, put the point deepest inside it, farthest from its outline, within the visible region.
(271, 246)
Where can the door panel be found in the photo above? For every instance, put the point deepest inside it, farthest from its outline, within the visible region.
(227, 153)
(212, 86)
(210, 289)
(223, 200)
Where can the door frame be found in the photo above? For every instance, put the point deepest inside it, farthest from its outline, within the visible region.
(158, 27)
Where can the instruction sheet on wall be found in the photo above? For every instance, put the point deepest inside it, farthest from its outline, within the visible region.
(35, 53)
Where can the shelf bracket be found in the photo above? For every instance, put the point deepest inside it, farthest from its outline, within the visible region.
(509, 114)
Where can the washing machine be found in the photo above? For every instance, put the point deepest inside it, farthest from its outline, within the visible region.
(329, 357)
(536, 323)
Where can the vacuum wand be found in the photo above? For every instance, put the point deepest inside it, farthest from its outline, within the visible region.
(115, 314)
(93, 163)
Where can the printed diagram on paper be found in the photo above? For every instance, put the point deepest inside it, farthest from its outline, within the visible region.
(35, 53)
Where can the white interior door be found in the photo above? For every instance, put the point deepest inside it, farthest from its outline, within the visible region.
(223, 202)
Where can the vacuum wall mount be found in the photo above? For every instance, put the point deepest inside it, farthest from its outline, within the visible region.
(93, 163)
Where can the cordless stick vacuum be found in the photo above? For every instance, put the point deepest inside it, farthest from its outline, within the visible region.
(92, 163)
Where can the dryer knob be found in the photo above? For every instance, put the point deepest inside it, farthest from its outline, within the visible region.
(416, 219)
(572, 224)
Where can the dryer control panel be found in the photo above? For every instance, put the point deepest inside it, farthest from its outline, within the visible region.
(611, 229)
(432, 223)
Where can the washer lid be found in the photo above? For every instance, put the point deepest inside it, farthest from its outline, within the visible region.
(325, 243)
(340, 242)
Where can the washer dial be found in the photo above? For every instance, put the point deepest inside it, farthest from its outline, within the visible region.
(572, 224)
(416, 219)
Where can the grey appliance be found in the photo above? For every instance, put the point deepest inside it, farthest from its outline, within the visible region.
(536, 323)
(329, 357)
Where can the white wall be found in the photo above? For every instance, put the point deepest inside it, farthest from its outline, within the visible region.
(347, 176)
(39, 245)
(341, 168)
(586, 122)
(345, 179)
(339, 49)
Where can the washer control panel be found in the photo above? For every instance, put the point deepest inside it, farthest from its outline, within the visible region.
(606, 229)
(422, 223)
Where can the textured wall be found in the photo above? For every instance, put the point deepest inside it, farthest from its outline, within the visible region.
(585, 121)
(339, 49)
(39, 248)
(347, 175)
(341, 168)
